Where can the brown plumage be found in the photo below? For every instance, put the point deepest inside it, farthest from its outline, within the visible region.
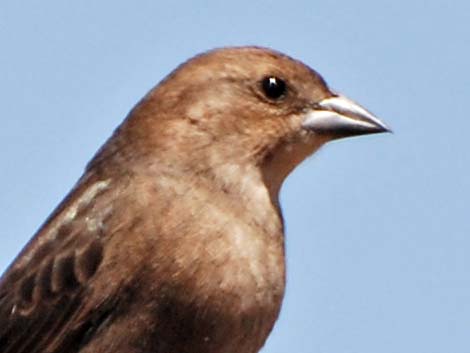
(172, 240)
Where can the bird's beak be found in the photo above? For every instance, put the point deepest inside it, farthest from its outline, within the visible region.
(339, 117)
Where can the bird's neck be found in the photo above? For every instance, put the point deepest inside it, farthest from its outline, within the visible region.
(244, 186)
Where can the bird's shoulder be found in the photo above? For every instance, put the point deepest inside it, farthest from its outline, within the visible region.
(50, 299)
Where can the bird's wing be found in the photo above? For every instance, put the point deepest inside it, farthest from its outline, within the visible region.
(47, 296)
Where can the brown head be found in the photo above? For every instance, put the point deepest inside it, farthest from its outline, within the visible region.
(244, 106)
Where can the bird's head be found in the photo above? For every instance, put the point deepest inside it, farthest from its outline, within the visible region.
(246, 106)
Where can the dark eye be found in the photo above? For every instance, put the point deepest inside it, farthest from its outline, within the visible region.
(273, 87)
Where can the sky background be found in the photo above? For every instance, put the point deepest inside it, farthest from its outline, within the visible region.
(378, 227)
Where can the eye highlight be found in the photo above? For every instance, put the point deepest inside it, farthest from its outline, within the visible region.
(273, 87)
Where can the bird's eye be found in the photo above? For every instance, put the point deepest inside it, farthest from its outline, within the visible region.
(273, 87)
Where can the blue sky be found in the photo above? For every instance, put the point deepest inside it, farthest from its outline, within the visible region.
(378, 229)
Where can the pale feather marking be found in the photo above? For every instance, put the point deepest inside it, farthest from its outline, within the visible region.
(85, 199)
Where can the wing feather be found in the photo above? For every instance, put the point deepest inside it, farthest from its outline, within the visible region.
(47, 301)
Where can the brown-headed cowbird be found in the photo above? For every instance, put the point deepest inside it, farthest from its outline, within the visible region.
(172, 241)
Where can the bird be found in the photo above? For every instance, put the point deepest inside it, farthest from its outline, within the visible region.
(172, 240)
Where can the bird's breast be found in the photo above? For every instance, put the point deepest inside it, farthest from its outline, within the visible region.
(225, 296)
(219, 273)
